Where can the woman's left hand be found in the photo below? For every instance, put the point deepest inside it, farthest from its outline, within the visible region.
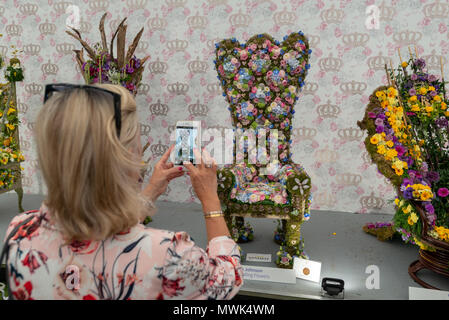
(163, 172)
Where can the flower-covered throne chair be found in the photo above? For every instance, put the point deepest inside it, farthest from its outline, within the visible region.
(261, 81)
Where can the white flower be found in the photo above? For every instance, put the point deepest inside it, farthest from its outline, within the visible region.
(302, 186)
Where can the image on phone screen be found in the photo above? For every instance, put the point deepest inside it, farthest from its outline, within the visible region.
(186, 138)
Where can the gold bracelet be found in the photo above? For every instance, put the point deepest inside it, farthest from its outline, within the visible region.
(213, 214)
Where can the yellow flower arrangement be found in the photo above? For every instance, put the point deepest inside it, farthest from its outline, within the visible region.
(412, 219)
(443, 233)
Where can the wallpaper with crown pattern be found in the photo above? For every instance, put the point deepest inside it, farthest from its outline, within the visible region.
(180, 82)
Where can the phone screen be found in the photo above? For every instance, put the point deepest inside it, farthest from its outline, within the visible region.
(186, 139)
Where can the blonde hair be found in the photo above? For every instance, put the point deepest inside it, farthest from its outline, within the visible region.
(90, 174)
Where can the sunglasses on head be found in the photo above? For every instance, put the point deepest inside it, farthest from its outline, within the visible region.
(58, 87)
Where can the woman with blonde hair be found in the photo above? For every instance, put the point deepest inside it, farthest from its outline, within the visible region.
(86, 240)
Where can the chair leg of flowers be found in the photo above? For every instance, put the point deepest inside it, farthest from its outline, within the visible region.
(240, 231)
(292, 246)
(279, 233)
(19, 192)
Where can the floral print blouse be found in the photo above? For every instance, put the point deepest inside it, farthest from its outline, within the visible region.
(143, 263)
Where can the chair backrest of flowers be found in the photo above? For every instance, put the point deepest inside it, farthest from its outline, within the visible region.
(261, 80)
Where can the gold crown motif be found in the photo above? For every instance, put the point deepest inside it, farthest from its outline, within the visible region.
(98, 5)
(143, 89)
(433, 61)
(61, 7)
(197, 66)
(25, 145)
(239, 19)
(378, 62)
(28, 9)
(303, 133)
(13, 30)
(215, 3)
(31, 49)
(171, 128)
(65, 48)
(47, 28)
(386, 13)
(176, 3)
(34, 164)
(177, 45)
(330, 64)
(85, 26)
(158, 66)
(214, 89)
(178, 88)
(158, 108)
(198, 109)
(22, 107)
(436, 10)
(350, 134)
(349, 179)
(284, 17)
(221, 129)
(3, 50)
(114, 23)
(197, 21)
(366, 158)
(34, 88)
(158, 149)
(407, 37)
(332, 15)
(157, 23)
(27, 181)
(145, 130)
(372, 202)
(313, 41)
(211, 43)
(353, 87)
(326, 155)
(328, 110)
(136, 4)
(31, 125)
(310, 88)
(49, 68)
(142, 47)
(355, 39)
(324, 199)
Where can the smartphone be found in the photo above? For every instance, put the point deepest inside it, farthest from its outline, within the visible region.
(188, 137)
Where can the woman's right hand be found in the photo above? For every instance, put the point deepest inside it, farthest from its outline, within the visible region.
(204, 180)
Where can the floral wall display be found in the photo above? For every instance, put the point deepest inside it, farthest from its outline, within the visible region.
(179, 81)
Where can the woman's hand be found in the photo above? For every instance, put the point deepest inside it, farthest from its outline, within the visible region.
(163, 173)
(204, 180)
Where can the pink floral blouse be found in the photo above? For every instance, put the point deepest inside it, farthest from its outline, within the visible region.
(144, 263)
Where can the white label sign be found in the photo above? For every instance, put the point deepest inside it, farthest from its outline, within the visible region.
(258, 257)
(427, 294)
(269, 274)
(307, 269)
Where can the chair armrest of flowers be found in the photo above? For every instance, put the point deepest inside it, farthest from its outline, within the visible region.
(299, 187)
(225, 179)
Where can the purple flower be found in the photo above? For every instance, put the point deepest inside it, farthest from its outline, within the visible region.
(408, 193)
(443, 192)
(380, 129)
(382, 116)
(379, 122)
(372, 115)
(429, 208)
(414, 77)
(400, 149)
(433, 93)
(442, 122)
(412, 91)
(424, 166)
(433, 176)
(432, 78)
(420, 63)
